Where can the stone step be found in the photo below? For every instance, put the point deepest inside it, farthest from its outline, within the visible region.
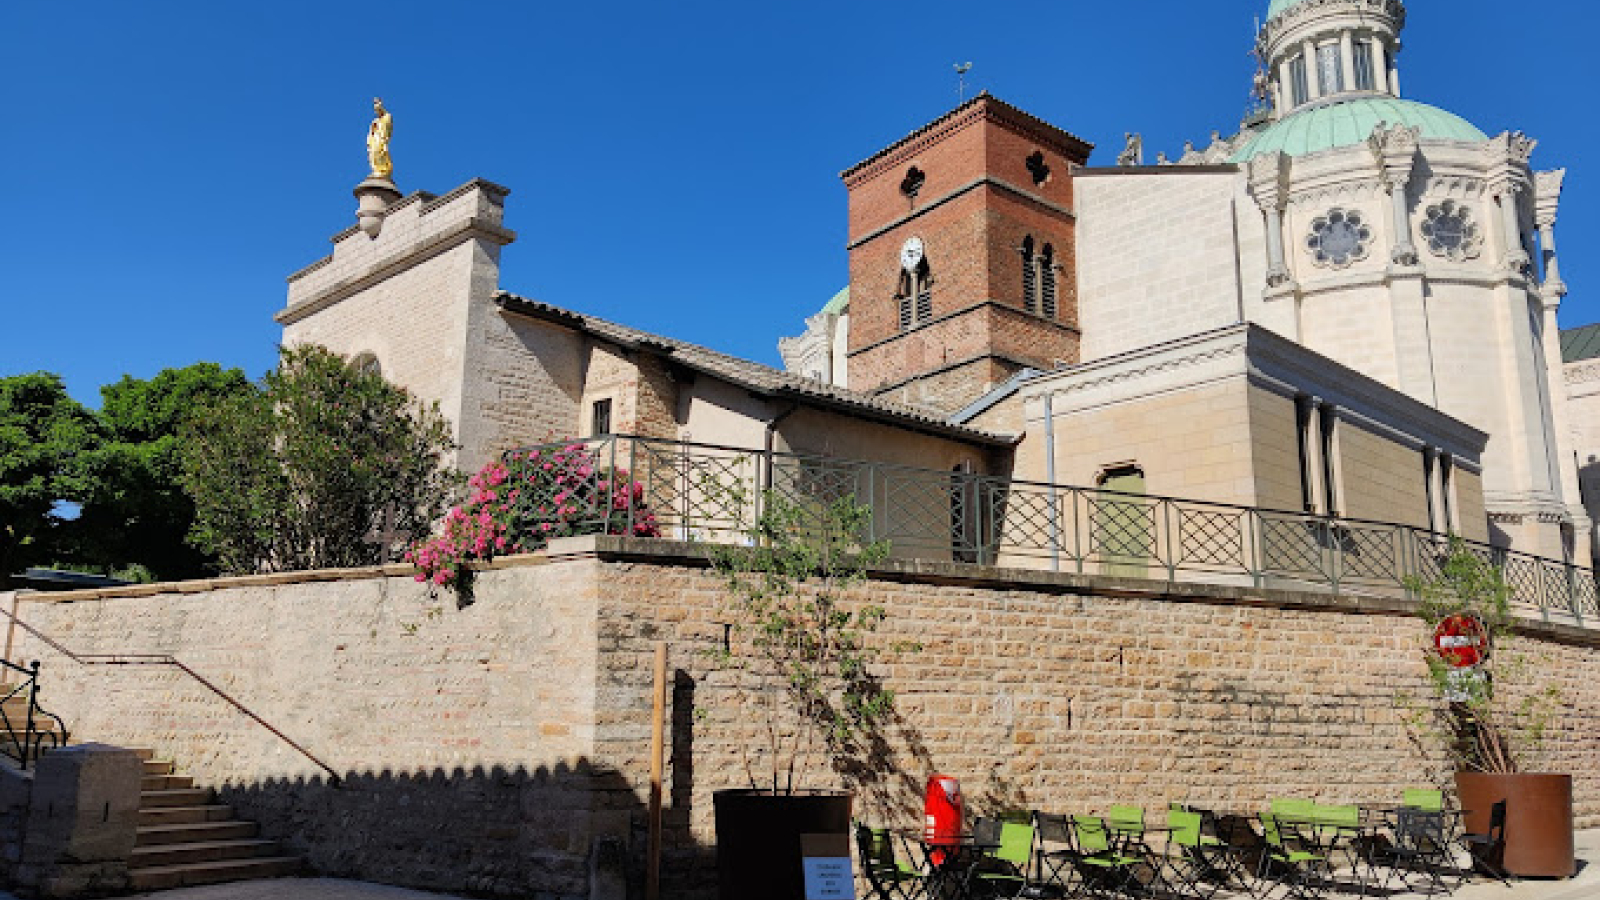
(165, 782)
(144, 753)
(161, 855)
(194, 832)
(164, 877)
(157, 767)
(186, 815)
(175, 797)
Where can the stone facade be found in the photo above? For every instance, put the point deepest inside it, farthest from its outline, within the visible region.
(501, 746)
(1213, 417)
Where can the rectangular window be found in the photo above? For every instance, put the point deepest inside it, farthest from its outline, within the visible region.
(1330, 74)
(1364, 66)
(1030, 284)
(924, 307)
(1427, 482)
(1446, 488)
(905, 313)
(1302, 432)
(1329, 470)
(1299, 91)
(600, 417)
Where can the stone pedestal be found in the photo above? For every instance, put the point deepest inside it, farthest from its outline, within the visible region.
(374, 196)
(82, 820)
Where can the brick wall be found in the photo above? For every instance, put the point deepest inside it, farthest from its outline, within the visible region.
(978, 203)
(489, 747)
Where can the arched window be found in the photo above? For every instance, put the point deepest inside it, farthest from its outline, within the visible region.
(1030, 277)
(1047, 282)
(916, 296)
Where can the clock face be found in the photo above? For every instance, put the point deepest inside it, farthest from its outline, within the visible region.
(911, 253)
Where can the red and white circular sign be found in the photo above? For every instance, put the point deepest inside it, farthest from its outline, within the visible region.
(1461, 641)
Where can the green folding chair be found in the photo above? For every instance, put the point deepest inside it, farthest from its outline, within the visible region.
(889, 877)
(1106, 872)
(1188, 873)
(1002, 872)
(1293, 869)
(1426, 799)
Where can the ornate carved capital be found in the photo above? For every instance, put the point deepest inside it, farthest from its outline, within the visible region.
(1394, 149)
(1511, 147)
(1547, 196)
(1269, 180)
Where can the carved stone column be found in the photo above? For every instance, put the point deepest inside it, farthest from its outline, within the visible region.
(1395, 151)
(1546, 198)
(1313, 84)
(1347, 58)
(1269, 185)
(1508, 155)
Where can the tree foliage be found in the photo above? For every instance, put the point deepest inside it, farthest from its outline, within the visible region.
(135, 512)
(297, 473)
(795, 638)
(43, 435)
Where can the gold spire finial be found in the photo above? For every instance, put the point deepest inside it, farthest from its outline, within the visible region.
(378, 141)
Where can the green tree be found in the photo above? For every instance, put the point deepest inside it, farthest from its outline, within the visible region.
(298, 472)
(135, 512)
(43, 434)
(796, 638)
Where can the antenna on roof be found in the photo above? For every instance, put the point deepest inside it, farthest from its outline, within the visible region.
(961, 80)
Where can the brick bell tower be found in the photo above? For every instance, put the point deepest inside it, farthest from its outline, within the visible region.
(961, 256)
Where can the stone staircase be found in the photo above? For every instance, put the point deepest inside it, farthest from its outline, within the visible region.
(186, 838)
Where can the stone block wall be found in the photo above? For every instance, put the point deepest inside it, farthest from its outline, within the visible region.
(502, 746)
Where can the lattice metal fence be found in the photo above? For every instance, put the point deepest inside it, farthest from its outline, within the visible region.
(711, 493)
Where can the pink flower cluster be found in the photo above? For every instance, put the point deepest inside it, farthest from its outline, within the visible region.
(519, 503)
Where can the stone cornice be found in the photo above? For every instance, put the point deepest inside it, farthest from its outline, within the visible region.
(425, 249)
(1001, 307)
(982, 108)
(1387, 14)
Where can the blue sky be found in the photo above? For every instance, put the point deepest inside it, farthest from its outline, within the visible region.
(672, 165)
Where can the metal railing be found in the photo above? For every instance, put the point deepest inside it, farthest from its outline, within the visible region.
(24, 734)
(147, 659)
(714, 493)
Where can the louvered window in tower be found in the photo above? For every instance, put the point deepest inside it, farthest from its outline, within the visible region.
(1030, 277)
(924, 305)
(905, 313)
(1047, 282)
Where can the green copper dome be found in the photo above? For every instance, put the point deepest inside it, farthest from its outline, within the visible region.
(1279, 6)
(1346, 123)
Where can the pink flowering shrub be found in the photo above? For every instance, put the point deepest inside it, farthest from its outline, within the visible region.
(519, 503)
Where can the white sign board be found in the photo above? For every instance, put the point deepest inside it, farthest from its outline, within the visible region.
(825, 859)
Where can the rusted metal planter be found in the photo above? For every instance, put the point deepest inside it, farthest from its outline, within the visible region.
(1539, 830)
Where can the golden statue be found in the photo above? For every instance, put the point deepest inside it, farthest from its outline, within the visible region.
(378, 141)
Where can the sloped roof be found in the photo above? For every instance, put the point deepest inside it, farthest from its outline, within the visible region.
(1580, 343)
(753, 376)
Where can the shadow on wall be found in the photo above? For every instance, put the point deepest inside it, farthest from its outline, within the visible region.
(574, 830)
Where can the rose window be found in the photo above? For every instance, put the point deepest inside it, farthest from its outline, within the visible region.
(1339, 238)
(1450, 232)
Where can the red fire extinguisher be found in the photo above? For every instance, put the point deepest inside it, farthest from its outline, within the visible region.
(942, 813)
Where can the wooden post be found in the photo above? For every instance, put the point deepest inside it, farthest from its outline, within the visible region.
(658, 715)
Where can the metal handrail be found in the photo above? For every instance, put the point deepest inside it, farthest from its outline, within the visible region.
(160, 659)
(27, 744)
(714, 492)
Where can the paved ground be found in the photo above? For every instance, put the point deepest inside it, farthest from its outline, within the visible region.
(1584, 887)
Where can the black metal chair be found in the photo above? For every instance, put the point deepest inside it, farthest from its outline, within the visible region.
(1488, 848)
(890, 878)
(1419, 846)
